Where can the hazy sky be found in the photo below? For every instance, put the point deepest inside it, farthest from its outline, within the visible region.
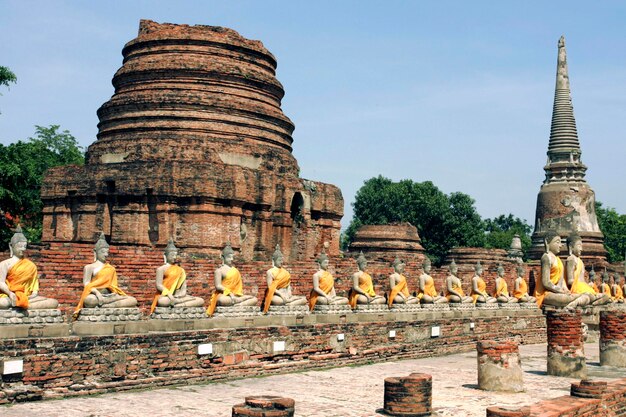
(456, 92)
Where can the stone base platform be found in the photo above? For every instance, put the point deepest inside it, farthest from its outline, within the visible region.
(405, 308)
(332, 309)
(287, 310)
(237, 311)
(436, 307)
(528, 306)
(109, 314)
(371, 308)
(509, 306)
(21, 316)
(487, 306)
(179, 313)
(462, 306)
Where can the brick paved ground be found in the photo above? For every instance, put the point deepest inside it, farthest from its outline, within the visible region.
(340, 392)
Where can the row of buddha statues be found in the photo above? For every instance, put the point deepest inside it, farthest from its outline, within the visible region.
(559, 286)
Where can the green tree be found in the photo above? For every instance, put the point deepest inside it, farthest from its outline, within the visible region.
(500, 231)
(613, 226)
(442, 221)
(22, 168)
(6, 77)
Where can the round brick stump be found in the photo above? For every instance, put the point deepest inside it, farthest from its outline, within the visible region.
(588, 389)
(499, 366)
(265, 406)
(409, 396)
(508, 412)
(566, 352)
(613, 338)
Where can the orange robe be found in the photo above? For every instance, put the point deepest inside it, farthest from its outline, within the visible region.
(281, 280)
(457, 288)
(429, 288)
(173, 279)
(523, 289)
(22, 280)
(232, 283)
(326, 284)
(579, 286)
(106, 278)
(400, 288)
(619, 295)
(595, 288)
(365, 283)
(606, 289)
(556, 272)
(482, 287)
(501, 288)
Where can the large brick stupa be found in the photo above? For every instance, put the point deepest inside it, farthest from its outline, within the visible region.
(193, 145)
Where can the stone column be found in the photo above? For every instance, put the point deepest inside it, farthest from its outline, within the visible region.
(265, 406)
(566, 353)
(508, 412)
(613, 338)
(409, 396)
(499, 366)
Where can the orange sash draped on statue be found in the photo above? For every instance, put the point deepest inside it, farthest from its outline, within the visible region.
(173, 279)
(282, 278)
(232, 283)
(501, 288)
(365, 283)
(578, 286)
(429, 288)
(106, 278)
(523, 289)
(619, 295)
(400, 287)
(457, 288)
(22, 280)
(327, 282)
(556, 272)
(482, 286)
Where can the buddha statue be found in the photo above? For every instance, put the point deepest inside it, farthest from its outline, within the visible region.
(501, 293)
(399, 291)
(605, 287)
(550, 288)
(623, 284)
(479, 287)
(362, 291)
(323, 291)
(428, 294)
(521, 287)
(278, 291)
(19, 281)
(595, 281)
(454, 289)
(616, 289)
(100, 281)
(575, 273)
(229, 285)
(171, 283)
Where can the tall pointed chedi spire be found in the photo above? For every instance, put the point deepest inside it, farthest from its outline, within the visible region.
(565, 202)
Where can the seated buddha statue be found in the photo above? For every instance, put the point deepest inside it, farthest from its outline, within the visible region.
(605, 287)
(362, 291)
(428, 294)
(501, 293)
(575, 273)
(479, 287)
(595, 281)
(399, 291)
(19, 280)
(454, 289)
(278, 291)
(100, 281)
(229, 285)
(521, 287)
(323, 291)
(616, 289)
(171, 283)
(551, 288)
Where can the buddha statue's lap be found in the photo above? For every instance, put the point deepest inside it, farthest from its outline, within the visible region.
(19, 279)
(278, 291)
(399, 291)
(575, 274)
(362, 291)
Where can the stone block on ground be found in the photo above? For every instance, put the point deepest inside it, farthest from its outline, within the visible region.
(499, 366)
(409, 396)
(265, 406)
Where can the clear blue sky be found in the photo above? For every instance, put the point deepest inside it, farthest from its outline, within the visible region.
(456, 92)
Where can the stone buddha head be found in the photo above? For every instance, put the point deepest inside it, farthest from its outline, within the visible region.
(323, 261)
(171, 253)
(101, 249)
(453, 268)
(361, 262)
(575, 244)
(552, 241)
(228, 255)
(520, 271)
(478, 268)
(277, 257)
(500, 270)
(398, 265)
(426, 265)
(18, 243)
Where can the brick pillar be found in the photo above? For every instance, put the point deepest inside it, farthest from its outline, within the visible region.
(409, 396)
(265, 406)
(588, 388)
(508, 412)
(499, 366)
(566, 352)
(613, 338)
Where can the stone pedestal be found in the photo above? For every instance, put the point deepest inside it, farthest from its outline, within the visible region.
(566, 353)
(405, 308)
(509, 306)
(21, 316)
(371, 308)
(613, 338)
(109, 314)
(462, 306)
(287, 310)
(332, 309)
(487, 306)
(409, 396)
(499, 366)
(237, 311)
(508, 412)
(436, 307)
(528, 306)
(265, 406)
(178, 313)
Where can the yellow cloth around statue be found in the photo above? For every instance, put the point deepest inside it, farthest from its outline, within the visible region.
(400, 288)
(455, 287)
(501, 288)
(619, 295)
(22, 280)
(556, 272)
(366, 284)
(482, 287)
(578, 286)
(173, 279)
(429, 288)
(232, 283)
(281, 280)
(106, 278)
(606, 289)
(523, 289)
(326, 284)
(595, 288)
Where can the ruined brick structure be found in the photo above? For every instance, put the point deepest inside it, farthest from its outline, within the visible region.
(193, 145)
(386, 241)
